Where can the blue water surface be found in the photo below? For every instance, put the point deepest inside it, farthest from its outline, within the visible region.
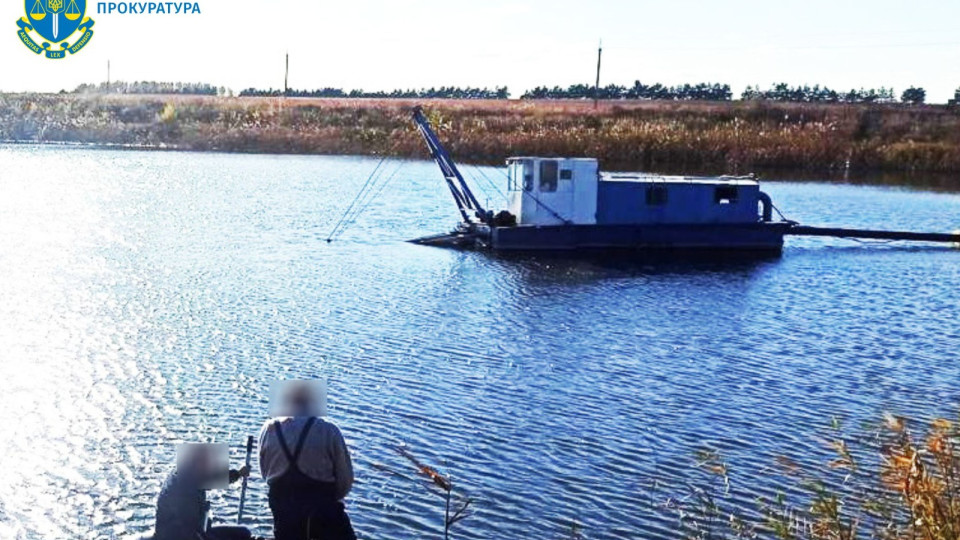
(149, 298)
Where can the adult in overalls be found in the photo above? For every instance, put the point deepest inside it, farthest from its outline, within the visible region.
(306, 464)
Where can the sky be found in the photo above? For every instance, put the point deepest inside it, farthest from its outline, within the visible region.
(387, 44)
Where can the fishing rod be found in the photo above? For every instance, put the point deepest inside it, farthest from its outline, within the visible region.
(243, 487)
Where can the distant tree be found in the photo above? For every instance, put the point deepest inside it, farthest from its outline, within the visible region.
(914, 96)
(956, 99)
(750, 93)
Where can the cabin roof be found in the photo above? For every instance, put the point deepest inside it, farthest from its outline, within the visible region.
(521, 158)
(664, 179)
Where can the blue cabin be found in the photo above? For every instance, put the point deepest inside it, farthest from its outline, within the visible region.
(555, 191)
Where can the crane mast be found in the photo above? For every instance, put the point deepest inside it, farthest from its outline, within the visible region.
(466, 202)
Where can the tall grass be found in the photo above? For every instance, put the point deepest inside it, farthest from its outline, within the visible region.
(721, 137)
(894, 483)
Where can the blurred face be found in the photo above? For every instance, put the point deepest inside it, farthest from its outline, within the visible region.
(299, 398)
(208, 463)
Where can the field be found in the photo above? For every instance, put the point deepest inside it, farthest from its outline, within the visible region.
(718, 137)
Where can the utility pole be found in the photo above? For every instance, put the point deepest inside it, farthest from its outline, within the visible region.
(286, 77)
(596, 86)
(108, 74)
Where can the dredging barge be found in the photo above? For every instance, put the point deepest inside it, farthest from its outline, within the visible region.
(568, 205)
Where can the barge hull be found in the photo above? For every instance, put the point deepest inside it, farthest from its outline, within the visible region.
(761, 237)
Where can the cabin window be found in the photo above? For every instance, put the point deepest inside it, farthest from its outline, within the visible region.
(566, 174)
(656, 195)
(726, 195)
(520, 176)
(548, 175)
(524, 175)
(513, 183)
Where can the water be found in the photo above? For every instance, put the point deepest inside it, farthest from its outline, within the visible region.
(150, 298)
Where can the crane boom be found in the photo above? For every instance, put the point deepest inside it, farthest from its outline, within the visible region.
(466, 202)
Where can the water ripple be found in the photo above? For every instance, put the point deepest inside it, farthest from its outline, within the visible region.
(153, 300)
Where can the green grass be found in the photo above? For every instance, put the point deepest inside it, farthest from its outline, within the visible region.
(734, 137)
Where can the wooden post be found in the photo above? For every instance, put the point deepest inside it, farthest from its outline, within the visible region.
(286, 77)
(596, 86)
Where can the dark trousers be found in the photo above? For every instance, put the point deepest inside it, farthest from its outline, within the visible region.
(308, 513)
(227, 533)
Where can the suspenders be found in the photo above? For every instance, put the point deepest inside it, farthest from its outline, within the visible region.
(294, 457)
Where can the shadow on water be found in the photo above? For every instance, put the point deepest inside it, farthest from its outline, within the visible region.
(564, 266)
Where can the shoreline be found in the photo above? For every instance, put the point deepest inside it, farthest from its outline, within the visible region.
(935, 181)
(833, 142)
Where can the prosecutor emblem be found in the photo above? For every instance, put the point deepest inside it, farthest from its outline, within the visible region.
(55, 27)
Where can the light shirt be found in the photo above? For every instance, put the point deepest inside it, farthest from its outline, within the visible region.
(324, 456)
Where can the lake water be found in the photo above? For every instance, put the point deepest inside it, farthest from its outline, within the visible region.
(148, 298)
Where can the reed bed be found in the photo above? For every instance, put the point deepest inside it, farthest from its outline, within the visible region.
(898, 480)
(730, 137)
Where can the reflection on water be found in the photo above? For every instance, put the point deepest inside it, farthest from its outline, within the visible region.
(152, 298)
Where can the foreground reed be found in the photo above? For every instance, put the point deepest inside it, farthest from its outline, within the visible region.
(888, 482)
(456, 506)
(895, 484)
(731, 137)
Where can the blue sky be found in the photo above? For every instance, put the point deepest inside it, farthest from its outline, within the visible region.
(385, 44)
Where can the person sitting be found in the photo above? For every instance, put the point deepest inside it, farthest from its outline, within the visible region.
(182, 505)
(306, 464)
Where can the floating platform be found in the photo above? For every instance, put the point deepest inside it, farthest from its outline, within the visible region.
(760, 239)
(568, 205)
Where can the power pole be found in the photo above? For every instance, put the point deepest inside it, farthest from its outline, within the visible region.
(596, 86)
(286, 77)
(108, 74)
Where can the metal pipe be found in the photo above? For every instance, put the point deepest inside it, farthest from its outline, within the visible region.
(767, 204)
(804, 230)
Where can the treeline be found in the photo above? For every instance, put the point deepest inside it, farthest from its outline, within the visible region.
(444, 92)
(700, 91)
(781, 92)
(152, 87)
(721, 92)
(818, 94)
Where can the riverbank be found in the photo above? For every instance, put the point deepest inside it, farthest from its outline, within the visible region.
(724, 137)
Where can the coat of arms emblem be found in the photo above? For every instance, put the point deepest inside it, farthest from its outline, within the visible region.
(55, 27)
